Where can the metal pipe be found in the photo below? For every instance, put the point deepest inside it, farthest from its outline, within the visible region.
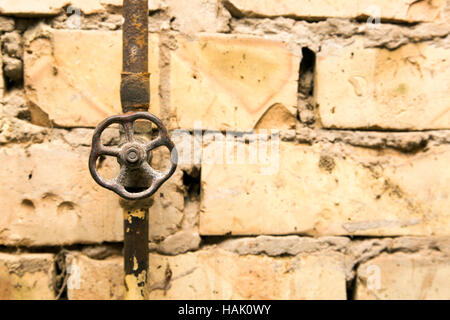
(136, 254)
(135, 96)
(137, 179)
(135, 84)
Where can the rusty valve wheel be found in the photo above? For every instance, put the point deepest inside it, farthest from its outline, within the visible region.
(133, 156)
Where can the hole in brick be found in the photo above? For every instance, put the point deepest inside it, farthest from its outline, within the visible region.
(67, 207)
(306, 87)
(24, 115)
(351, 288)
(306, 74)
(27, 206)
(191, 181)
(12, 64)
(61, 276)
(28, 203)
(414, 146)
(13, 75)
(216, 240)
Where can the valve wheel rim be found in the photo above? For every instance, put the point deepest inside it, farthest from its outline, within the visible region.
(98, 149)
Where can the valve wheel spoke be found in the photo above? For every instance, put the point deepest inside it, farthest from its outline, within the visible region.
(128, 127)
(155, 174)
(109, 151)
(156, 143)
(118, 180)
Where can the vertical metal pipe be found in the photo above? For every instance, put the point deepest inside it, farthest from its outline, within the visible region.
(136, 254)
(135, 96)
(135, 85)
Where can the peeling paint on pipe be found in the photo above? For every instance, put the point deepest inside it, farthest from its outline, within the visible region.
(136, 254)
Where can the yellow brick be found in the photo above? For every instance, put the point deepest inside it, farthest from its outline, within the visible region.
(27, 8)
(92, 279)
(218, 274)
(198, 16)
(26, 277)
(74, 76)
(407, 88)
(400, 10)
(49, 198)
(404, 277)
(327, 189)
(229, 82)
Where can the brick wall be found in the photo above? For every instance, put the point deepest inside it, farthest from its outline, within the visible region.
(314, 142)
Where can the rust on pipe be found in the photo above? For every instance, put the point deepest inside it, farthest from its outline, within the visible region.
(136, 254)
(135, 97)
(135, 83)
